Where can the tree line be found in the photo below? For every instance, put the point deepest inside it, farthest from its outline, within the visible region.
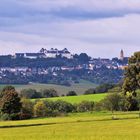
(13, 107)
(49, 93)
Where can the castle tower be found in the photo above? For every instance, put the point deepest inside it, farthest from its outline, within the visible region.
(121, 55)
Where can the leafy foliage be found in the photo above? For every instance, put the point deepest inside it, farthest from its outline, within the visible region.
(71, 93)
(40, 109)
(132, 75)
(10, 102)
(85, 106)
(27, 109)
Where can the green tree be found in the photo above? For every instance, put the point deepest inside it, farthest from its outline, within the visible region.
(128, 103)
(132, 75)
(84, 58)
(90, 91)
(10, 102)
(63, 107)
(112, 102)
(47, 93)
(71, 93)
(40, 109)
(6, 89)
(103, 88)
(30, 94)
(85, 106)
(27, 109)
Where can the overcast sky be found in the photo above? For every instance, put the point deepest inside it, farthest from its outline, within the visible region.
(100, 28)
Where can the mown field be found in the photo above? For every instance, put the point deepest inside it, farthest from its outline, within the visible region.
(78, 99)
(79, 88)
(85, 126)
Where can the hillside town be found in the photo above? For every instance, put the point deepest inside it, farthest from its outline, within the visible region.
(53, 64)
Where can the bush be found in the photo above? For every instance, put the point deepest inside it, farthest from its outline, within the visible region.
(131, 103)
(71, 93)
(51, 112)
(63, 107)
(40, 109)
(85, 106)
(103, 88)
(112, 102)
(47, 93)
(15, 116)
(30, 94)
(27, 109)
(117, 102)
(98, 106)
(5, 117)
(90, 91)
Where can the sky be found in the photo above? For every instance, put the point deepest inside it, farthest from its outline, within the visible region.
(100, 28)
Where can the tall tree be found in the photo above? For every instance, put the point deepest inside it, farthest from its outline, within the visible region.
(10, 101)
(132, 75)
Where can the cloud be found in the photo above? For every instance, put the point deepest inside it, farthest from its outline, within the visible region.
(98, 27)
(82, 8)
(68, 8)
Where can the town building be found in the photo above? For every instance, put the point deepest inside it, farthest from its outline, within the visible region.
(44, 53)
(122, 55)
(30, 55)
(53, 53)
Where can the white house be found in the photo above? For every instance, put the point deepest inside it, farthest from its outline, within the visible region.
(44, 53)
(30, 55)
(53, 53)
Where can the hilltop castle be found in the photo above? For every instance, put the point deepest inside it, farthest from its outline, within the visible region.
(44, 53)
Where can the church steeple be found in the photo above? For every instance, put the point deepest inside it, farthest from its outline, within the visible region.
(122, 55)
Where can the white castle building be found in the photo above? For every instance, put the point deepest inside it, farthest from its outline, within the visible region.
(44, 53)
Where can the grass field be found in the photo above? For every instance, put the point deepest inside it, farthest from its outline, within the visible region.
(79, 88)
(86, 126)
(80, 98)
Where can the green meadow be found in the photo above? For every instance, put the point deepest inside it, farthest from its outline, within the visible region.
(78, 99)
(84, 126)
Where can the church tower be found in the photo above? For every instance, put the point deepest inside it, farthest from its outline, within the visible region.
(121, 55)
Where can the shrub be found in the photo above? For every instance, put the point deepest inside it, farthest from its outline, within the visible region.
(85, 106)
(51, 112)
(131, 103)
(14, 116)
(98, 106)
(103, 88)
(46, 93)
(63, 107)
(5, 117)
(90, 91)
(30, 94)
(112, 102)
(71, 93)
(40, 109)
(27, 109)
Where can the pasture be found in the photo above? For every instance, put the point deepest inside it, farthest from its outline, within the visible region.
(85, 126)
(78, 99)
